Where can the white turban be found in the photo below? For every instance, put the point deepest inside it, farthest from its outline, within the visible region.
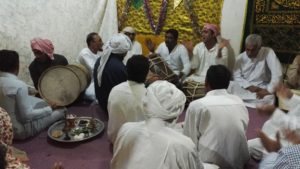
(163, 100)
(118, 44)
(128, 29)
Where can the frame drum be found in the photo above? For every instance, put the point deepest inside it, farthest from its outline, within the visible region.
(62, 84)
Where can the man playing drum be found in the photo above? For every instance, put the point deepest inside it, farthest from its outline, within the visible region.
(175, 55)
(44, 58)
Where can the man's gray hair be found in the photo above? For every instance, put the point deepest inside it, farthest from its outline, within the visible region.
(254, 39)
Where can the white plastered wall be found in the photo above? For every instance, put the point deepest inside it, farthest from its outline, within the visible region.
(65, 22)
(232, 25)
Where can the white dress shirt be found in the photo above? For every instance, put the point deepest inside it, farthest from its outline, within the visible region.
(217, 124)
(177, 59)
(204, 58)
(88, 59)
(124, 105)
(29, 115)
(135, 50)
(264, 71)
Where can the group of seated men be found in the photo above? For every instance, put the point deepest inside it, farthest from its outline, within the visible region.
(213, 133)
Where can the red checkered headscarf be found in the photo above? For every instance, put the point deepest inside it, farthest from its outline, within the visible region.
(43, 45)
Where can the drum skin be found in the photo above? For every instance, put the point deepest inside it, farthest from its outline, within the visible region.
(83, 75)
(61, 85)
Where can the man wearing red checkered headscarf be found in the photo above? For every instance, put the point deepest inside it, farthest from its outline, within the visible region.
(43, 51)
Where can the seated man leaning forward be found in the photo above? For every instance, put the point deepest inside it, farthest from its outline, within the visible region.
(125, 99)
(174, 54)
(29, 115)
(217, 123)
(154, 144)
(136, 46)
(277, 124)
(44, 58)
(87, 57)
(256, 72)
(207, 53)
(109, 69)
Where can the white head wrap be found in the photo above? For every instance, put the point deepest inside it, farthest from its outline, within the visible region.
(163, 100)
(128, 29)
(118, 44)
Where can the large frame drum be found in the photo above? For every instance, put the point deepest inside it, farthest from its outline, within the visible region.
(61, 85)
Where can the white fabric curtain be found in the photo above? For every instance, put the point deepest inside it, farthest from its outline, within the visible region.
(65, 22)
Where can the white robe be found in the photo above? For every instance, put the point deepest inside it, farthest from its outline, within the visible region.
(124, 105)
(278, 122)
(135, 50)
(217, 124)
(88, 59)
(153, 145)
(177, 59)
(264, 71)
(204, 58)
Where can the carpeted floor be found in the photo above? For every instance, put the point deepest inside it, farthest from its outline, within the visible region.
(95, 153)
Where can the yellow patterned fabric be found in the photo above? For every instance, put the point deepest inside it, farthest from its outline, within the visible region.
(208, 11)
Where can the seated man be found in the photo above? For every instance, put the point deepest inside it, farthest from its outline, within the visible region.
(174, 54)
(87, 57)
(44, 58)
(217, 123)
(136, 46)
(109, 69)
(293, 74)
(154, 144)
(207, 53)
(256, 72)
(125, 99)
(279, 121)
(6, 140)
(281, 157)
(29, 115)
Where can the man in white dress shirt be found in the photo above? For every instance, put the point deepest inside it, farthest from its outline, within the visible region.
(136, 46)
(277, 124)
(217, 123)
(257, 71)
(154, 144)
(87, 57)
(125, 99)
(208, 52)
(174, 54)
(29, 115)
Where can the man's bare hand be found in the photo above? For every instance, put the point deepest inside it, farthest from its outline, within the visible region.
(189, 46)
(266, 110)
(292, 136)
(58, 166)
(261, 93)
(283, 92)
(269, 144)
(150, 45)
(252, 88)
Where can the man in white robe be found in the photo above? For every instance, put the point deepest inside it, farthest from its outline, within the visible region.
(136, 46)
(153, 144)
(174, 54)
(278, 122)
(293, 74)
(217, 123)
(125, 99)
(256, 72)
(208, 52)
(87, 57)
